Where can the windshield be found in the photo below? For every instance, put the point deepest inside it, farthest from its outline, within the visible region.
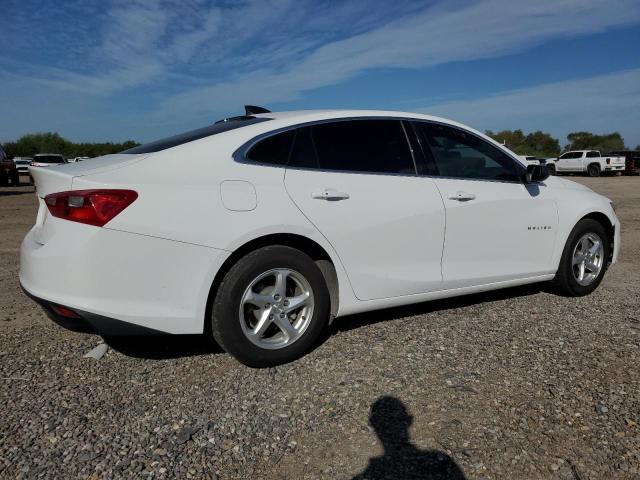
(187, 137)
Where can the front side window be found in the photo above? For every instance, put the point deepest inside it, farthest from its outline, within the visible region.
(373, 146)
(460, 154)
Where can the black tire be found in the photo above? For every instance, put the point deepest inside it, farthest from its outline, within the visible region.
(564, 281)
(225, 317)
(15, 180)
(593, 170)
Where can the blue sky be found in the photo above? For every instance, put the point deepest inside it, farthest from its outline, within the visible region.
(116, 70)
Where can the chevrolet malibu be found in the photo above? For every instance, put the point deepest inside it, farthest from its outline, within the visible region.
(258, 230)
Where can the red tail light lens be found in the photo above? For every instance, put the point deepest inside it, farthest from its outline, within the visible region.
(92, 207)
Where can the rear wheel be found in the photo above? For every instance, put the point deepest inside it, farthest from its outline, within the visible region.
(593, 170)
(271, 307)
(584, 259)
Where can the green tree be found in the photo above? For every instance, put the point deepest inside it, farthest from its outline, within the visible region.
(50, 142)
(590, 141)
(536, 143)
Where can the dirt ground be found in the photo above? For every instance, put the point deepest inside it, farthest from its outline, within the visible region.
(520, 383)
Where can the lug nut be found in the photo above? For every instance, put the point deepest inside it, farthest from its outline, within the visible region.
(276, 297)
(271, 317)
(286, 303)
(282, 315)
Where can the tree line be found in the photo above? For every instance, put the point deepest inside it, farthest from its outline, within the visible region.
(536, 143)
(50, 142)
(542, 144)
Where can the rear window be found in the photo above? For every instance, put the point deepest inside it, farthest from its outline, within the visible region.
(219, 127)
(49, 159)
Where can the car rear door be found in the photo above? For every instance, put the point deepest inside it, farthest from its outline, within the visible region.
(355, 180)
(497, 228)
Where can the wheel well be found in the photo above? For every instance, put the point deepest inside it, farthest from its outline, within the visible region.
(299, 242)
(594, 164)
(603, 220)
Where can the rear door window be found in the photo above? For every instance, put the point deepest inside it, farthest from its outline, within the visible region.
(367, 146)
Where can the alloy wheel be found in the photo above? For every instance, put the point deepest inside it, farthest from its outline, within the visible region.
(276, 308)
(588, 259)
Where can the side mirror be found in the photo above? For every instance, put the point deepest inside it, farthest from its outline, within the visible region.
(536, 173)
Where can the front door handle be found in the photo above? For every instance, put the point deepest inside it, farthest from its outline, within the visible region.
(462, 196)
(329, 194)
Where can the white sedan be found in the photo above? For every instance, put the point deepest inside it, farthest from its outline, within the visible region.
(294, 218)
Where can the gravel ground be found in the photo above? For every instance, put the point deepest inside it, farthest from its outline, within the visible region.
(519, 383)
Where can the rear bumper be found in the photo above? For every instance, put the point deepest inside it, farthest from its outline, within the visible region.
(118, 282)
(88, 322)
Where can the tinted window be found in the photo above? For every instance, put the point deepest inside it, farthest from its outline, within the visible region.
(378, 146)
(457, 153)
(303, 153)
(3, 155)
(273, 150)
(49, 159)
(592, 154)
(187, 137)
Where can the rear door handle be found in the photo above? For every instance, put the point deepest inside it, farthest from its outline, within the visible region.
(329, 194)
(461, 196)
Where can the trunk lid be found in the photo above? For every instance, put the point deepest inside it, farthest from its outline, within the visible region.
(59, 178)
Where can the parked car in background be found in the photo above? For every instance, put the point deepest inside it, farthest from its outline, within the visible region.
(298, 217)
(590, 162)
(632, 161)
(22, 164)
(77, 159)
(47, 159)
(8, 170)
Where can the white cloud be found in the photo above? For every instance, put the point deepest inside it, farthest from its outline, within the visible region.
(196, 60)
(434, 36)
(599, 104)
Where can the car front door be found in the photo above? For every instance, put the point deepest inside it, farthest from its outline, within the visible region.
(563, 164)
(356, 181)
(497, 228)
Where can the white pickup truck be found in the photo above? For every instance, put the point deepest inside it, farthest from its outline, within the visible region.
(589, 161)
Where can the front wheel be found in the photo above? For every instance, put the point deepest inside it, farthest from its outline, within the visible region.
(584, 259)
(271, 307)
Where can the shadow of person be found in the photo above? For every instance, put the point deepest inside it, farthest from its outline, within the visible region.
(401, 459)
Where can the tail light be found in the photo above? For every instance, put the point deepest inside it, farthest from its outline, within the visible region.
(92, 207)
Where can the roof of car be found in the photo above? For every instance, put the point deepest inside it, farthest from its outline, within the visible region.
(310, 115)
(48, 155)
(293, 117)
